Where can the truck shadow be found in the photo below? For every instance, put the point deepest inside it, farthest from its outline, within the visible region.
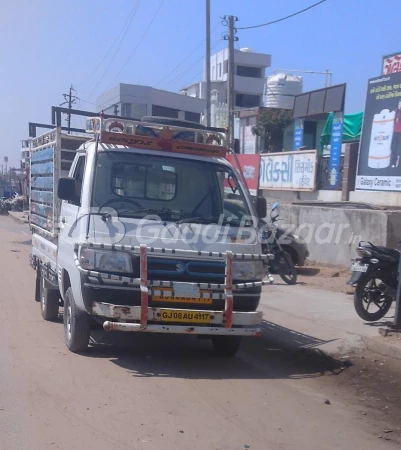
(174, 356)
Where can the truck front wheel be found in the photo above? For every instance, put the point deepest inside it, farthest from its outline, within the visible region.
(76, 325)
(49, 301)
(226, 345)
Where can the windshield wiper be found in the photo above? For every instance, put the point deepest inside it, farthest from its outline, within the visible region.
(198, 219)
(216, 220)
(133, 212)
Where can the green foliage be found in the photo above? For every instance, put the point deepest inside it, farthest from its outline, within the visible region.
(271, 125)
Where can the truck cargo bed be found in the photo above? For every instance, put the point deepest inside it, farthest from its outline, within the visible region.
(51, 158)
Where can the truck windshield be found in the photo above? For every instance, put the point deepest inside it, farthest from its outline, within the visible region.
(173, 189)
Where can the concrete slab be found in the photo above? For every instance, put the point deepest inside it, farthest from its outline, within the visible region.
(302, 318)
(20, 217)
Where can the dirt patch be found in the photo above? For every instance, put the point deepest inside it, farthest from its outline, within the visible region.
(374, 382)
(323, 276)
(366, 384)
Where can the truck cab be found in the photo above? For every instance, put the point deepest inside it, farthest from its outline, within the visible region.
(156, 233)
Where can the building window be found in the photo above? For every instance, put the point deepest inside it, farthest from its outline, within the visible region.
(162, 111)
(193, 117)
(250, 72)
(126, 110)
(225, 66)
(220, 70)
(247, 100)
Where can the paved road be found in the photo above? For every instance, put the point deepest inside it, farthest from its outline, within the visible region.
(150, 392)
(12, 226)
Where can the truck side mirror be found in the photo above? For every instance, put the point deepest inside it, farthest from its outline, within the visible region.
(67, 189)
(261, 206)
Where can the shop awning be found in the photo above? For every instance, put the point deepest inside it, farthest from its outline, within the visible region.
(351, 129)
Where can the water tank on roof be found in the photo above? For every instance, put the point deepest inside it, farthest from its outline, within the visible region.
(245, 50)
(281, 89)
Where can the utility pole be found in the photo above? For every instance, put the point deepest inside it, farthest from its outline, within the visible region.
(231, 38)
(69, 100)
(397, 315)
(207, 64)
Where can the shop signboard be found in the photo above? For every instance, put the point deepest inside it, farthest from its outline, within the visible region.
(289, 171)
(335, 149)
(379, 164)
(391, 63)
(248, 140)
(249, 165)
(298, 133)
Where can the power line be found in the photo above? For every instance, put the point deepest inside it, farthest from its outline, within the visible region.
(186, 59)
(180, 75)
(283, 18)
(117, 49)
(130, 16)
(139, 43)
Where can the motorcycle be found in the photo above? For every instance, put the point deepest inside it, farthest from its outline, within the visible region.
(280, 262)
(375, 277)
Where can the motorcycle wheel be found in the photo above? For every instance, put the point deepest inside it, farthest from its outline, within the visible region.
(367, 292)
(287, 270)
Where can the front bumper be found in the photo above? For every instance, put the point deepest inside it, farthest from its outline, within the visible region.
(148, 317)
(243, 323)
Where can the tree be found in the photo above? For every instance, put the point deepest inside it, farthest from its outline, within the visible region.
(271, 125)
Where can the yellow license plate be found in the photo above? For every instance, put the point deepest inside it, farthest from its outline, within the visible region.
(198, 301)
(172, 315)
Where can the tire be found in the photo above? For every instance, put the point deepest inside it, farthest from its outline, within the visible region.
(287, 270)
(246, 304)
(37, 286)
(359, 299)
(227, 346)
(292, 252)
(49, 301)
(173, 122)
(76, 325)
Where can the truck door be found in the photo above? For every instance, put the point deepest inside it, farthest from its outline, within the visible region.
(71, 223)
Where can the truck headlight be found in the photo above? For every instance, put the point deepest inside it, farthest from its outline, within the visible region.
(105, 261)
(248, 270)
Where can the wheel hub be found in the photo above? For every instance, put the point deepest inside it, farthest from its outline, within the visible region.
(69, 322)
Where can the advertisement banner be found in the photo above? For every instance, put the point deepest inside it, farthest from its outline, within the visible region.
(298, 133)
(335, 149)
(379, 164)
(248, 140)
(391, 64)
(289, 171)
(249, 164)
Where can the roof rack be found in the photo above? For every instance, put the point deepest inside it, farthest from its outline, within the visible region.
(154, 136)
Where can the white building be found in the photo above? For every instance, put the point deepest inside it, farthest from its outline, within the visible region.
(249, 78)
(130, 100)
(25, 153)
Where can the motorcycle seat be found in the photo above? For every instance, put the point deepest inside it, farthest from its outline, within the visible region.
(389, 251)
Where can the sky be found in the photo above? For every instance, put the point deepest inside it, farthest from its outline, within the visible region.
(47, 45)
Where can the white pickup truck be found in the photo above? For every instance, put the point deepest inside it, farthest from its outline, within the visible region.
(144, 226)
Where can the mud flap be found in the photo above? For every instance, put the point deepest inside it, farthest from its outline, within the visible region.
(355, 277)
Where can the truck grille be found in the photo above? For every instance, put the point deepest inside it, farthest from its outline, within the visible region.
(185, 270)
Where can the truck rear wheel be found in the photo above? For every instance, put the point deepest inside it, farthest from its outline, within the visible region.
(76, 325)
(49, 301)
(226, 345)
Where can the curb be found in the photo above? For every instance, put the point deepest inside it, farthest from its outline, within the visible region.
(18, 218)
(378, 345)
(335, 349)
(338, 348)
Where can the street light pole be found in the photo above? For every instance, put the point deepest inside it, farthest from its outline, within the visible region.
(207, 64)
